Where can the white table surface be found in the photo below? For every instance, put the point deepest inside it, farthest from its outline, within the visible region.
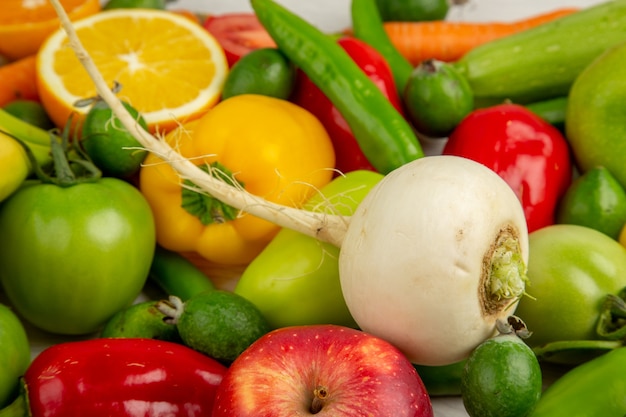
(334, 15)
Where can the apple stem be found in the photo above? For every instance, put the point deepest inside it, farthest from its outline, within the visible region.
(320, 394)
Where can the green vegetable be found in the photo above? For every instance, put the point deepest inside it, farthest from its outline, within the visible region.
(595, 388)
(142, 320)
(295, 279)
(501, 378)
(442, 380)
(133, 4)
(572, 269)
(386, 138)
(111, 147)
(218, 323)
(596, 200)
(552, 110)
(437, 98)
(14, 354)
(31, 112)
(176, 275)
(544, 61)
(596, 113)
(412, 10)
(367, 25)
(76, 248)
(264, 71)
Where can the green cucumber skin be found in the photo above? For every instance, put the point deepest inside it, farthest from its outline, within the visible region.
(544, 61)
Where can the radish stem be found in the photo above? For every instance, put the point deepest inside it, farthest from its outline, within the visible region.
(327, 228)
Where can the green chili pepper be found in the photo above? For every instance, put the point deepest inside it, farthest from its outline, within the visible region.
(384, 135)
(176, 275)
(595, 388)
(367, 25)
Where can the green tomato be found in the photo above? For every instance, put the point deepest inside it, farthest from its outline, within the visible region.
(71, 257)
(295, 280)
(14, 354)
(571, 270)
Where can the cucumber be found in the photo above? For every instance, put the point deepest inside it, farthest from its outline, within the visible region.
(543, 62)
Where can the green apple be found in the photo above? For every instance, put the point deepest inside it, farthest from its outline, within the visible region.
(595, 121)
(295, 280)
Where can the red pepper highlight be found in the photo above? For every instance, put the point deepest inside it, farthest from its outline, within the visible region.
(123, 378)
(349, 155)
(530, 154)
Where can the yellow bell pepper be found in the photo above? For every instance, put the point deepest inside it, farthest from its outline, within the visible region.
(271, 147)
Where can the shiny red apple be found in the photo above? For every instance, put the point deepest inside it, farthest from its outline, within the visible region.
(327, 370)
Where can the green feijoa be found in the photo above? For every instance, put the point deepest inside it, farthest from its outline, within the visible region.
(142, 320)
(218, 323)
(501, 378)
(437, 97)
(265, 71)
(596, 200)
(110, 146)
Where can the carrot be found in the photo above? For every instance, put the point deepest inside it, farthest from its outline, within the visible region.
(18, 81)
(448, 41)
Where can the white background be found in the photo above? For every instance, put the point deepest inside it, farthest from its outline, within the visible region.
(334, 15)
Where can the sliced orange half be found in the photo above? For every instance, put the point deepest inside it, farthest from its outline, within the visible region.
(25, 24)
(169, 68)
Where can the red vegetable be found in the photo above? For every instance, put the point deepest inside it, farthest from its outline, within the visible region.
(308, 95)
(531, 155)
(122, 378)
(238, 34)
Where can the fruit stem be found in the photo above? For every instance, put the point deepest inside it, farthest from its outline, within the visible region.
(320, 394)
(173, 308)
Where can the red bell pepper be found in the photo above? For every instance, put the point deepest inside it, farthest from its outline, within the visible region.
(348, 153)
(531, 155)
(118, 377)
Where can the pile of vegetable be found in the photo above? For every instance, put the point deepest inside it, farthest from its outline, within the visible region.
(308, 199)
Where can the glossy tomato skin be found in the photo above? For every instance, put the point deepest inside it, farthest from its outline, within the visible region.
(122, 377)
(70, 257)
(14, 354)
(308, 95)
(238, 34)
(571, 269)
(531, 155)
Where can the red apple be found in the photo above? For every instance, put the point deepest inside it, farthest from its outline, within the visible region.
(321, 369)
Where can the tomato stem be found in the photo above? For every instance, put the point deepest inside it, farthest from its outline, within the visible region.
(612, 322)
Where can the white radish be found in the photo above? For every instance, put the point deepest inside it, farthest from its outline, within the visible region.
(432, 258)
(434, 255)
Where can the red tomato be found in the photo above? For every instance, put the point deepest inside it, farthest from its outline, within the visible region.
(238, 33)
(531, 155)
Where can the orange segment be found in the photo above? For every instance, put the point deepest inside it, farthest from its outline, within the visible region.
(25, 24)
(170, 69)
